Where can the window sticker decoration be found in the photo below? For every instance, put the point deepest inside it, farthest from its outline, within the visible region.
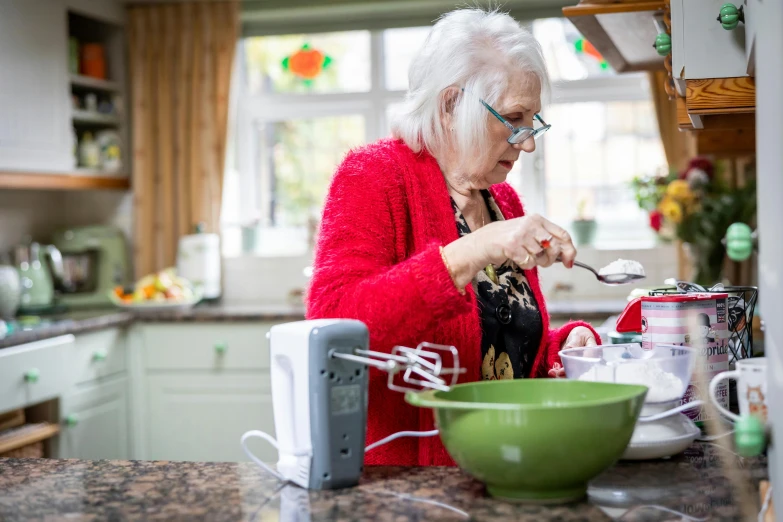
(582, 46)
(306, 63)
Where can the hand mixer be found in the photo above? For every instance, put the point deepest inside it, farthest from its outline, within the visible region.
(319, 395)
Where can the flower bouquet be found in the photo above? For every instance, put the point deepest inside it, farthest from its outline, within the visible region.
(696, 206)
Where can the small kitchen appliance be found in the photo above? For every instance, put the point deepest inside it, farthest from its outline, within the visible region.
(319, 374)
(198, 261)
(37, 276)
(662, 429)
(95, 260)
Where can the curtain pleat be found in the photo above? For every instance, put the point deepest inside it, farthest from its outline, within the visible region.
(181, 57)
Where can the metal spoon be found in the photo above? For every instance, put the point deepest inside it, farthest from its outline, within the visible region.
(611, 279)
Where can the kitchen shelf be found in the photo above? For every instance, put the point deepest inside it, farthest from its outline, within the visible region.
(28, 434)
(87, 82)
(94, 118)
(623, 32)
(77, 180)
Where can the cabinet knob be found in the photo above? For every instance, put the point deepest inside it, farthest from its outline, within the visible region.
(99, 356)
(663, 44)
(71, 420)
(730, 16)
(32, 375)
(220, 348)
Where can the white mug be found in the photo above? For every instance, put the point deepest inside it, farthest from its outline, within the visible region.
(751, 377)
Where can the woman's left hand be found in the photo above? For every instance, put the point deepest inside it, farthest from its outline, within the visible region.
(579, 337)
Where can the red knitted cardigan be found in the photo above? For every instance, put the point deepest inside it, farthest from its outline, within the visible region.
(378, 260)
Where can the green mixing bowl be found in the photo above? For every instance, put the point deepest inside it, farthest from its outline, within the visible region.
(535, 440)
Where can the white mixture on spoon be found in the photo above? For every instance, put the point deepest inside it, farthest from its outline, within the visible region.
(621, 267)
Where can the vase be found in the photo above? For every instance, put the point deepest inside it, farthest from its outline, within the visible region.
(706, 262)
(10, 291)
(584, 231)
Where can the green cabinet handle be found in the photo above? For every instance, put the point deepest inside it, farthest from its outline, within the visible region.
(740, 241)
(750, 436)
(663, 44)
(220, 348)
(32, 375)
(71, 420)
(730, 16)
(99, 356)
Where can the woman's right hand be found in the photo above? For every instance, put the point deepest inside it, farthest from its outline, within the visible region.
(518, 239)
(521, 239)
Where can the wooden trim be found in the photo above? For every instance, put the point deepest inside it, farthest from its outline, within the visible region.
(589, 9)
(64, 181)
(25, 435)
(721, 95)
(726, 143)
(683, 120)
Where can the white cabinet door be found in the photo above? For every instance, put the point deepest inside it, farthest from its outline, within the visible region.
(701, 47)
(201, 417)
(35, 132)
(95, 422)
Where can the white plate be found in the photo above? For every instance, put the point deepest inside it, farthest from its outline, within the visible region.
(661, 439)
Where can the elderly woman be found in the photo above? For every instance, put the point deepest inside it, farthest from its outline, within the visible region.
(422, 239)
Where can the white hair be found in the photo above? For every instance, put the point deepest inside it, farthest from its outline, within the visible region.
(472, 49)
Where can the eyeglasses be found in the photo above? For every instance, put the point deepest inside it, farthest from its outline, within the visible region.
(519, 134)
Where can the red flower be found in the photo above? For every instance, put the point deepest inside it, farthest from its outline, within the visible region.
(656, 220)
(698, 163)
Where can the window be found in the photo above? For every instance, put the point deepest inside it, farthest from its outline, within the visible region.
(304, 100)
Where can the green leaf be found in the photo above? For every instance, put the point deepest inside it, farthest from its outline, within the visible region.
(285, 63)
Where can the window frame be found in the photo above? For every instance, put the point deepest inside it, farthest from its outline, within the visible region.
(255, 110)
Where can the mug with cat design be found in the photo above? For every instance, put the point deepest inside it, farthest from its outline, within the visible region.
(751, 377)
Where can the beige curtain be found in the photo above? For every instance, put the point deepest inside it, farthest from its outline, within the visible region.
(677, 145)
(181, 58)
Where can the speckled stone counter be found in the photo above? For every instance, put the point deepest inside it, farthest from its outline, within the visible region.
(35, 329)
(692, 484)
(27, 330)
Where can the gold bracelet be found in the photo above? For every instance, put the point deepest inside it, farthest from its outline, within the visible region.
(451, 274)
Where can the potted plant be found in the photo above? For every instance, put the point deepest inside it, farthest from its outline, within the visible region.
(696, 206)
(583, 227)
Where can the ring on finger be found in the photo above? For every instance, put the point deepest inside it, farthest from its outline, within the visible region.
(546, 242)
(527, 259)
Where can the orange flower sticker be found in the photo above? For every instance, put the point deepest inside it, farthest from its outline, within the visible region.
(306, 63)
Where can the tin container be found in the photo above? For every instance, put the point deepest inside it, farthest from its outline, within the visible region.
(663, 319)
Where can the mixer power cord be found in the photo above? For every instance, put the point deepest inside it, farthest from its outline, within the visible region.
(257, 434)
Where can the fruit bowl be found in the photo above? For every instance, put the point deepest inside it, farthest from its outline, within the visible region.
(535, 440)
(164, 291)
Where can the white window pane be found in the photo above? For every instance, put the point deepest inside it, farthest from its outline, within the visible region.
(296, 161)
(340, 62)
(591, 154)
(400, 46)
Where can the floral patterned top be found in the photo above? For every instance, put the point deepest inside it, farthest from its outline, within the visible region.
(511, 325)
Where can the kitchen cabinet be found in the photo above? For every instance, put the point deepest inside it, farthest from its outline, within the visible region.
(622, 31)
(201, 417)
(35, 131)
(701, 47)
(33, 372)
(197, 387)
(95, 421)
(94, 407)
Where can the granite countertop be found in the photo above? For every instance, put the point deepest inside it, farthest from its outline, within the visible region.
(38, 328)
(31, 329)
(692, 484)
